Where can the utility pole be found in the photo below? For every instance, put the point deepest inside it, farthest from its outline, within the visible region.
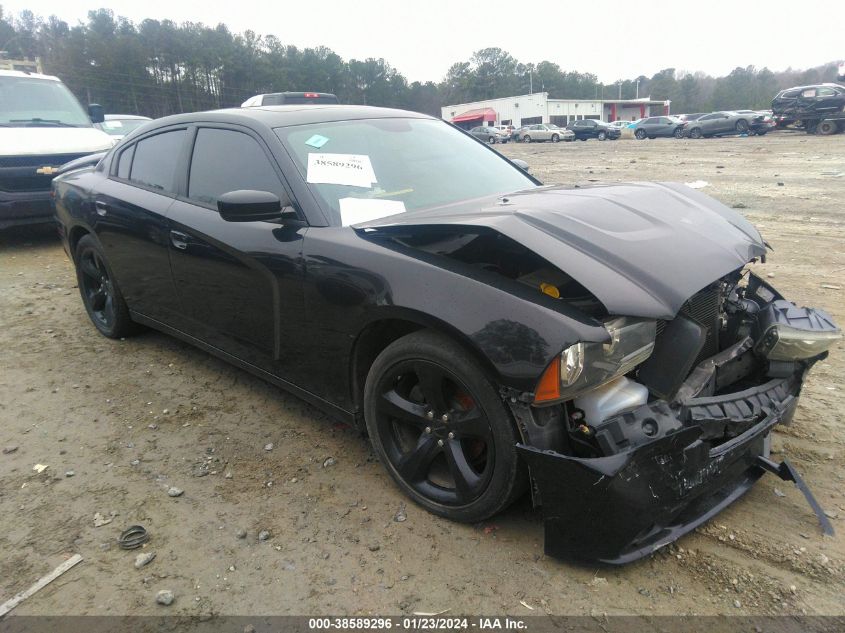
(530, 81)
(638, 88)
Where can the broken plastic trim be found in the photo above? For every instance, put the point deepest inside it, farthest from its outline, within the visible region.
(787, 472)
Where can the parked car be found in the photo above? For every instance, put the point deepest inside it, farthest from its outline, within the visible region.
(506, 130)
(119, 125)
(606, 343)
(592, 128)
(809, 104)
(718, 124)
(620, 124)
(759, 123)
(545, 132)
(290, 98)
(517, 133)
(656, 126)
(42, 126)
(489, 134)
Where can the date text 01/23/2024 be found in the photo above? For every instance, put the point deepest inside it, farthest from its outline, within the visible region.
(419, 623)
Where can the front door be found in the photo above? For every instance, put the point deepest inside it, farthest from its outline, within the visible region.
(239, 283)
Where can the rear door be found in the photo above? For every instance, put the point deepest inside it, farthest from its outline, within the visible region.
(238, 283)
(131, 221)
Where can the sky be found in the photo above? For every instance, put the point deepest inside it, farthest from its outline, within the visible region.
(613, 40)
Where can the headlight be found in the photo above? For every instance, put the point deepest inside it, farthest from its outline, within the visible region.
(584, 366)
(788, 332)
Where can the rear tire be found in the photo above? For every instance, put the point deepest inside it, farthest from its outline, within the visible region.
(465, 468)
(100, 293)
(826, 128)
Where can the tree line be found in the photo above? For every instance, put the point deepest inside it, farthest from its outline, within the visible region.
(158, 67)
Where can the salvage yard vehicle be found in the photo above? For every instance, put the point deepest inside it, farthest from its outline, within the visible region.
(719, 124)
(606, 344)
(653, 127)
(42, 126)
(489, 134)
(545, 132)
(591, 128)
(819, 109)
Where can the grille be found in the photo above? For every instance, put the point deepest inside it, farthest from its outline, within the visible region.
(703, 308)
(40, 160)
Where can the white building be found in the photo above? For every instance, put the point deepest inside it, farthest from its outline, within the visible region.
(538, 108)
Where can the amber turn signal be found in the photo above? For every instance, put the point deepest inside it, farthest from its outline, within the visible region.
(548, 387)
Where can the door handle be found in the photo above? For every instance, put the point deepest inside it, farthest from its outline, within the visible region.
(101, 207)
(179, 240)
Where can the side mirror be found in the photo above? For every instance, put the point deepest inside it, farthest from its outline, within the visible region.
(96, 113)
(520, 163)
(245, 205)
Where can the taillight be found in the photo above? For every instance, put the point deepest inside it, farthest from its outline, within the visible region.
(311, 95)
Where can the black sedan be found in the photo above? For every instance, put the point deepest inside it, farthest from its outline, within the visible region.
(606, 343)
(591, 128)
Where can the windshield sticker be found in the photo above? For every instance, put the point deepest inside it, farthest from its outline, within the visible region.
(341, 169)
(112, 125)
(357, 210)
(317, 141)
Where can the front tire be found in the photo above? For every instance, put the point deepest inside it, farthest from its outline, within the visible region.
(526, 139)
(100, 293)
(741, 126)
(555, 138)
(640, 135)
(602, 136)
(679, 133)
(491, 140)
(441, 430)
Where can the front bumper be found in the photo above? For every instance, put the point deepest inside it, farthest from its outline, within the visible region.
(25, 207)
(620, 508)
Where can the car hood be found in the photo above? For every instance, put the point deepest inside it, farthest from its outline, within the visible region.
(33, 141)
(642, 249)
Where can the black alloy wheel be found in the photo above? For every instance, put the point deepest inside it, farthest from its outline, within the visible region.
(640, 134)
(526, 139)
(441, 430)
(100, 293)
(695, 133)
(742, 126)
(679, 132)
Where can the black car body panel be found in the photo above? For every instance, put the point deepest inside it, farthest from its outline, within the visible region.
(628, 244)
(809, 102)
(307, 304)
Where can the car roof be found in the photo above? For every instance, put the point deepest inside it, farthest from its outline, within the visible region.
(21, 73)
(287, 115)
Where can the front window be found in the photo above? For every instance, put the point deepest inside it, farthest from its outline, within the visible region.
(395, 164)
(33, 102)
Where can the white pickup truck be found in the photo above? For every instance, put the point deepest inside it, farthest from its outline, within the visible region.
(42, 126)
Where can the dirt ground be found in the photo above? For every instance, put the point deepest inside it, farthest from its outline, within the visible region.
(119, 422)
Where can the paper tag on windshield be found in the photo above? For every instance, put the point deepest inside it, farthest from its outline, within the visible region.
(112, 125)
(358, 210)
(341, 169)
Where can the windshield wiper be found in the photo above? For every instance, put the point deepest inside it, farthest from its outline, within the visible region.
(36, 121)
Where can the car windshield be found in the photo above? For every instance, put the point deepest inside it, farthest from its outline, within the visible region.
(121, 127)
(29, 101)
(395, 165)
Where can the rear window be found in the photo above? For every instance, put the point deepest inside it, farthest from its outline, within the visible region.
(154, 164)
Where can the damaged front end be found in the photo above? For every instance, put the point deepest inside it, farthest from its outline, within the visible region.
(679, 427)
